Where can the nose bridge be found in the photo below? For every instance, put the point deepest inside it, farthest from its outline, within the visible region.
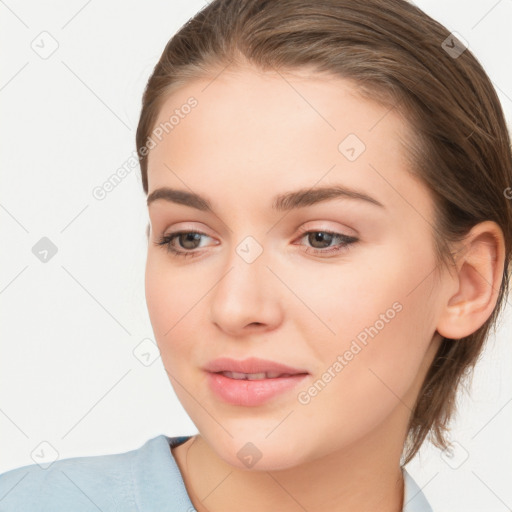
(246, 267)
(245, 294)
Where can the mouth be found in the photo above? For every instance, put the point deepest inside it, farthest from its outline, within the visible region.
(251, 382)
(257, 376)
(252, 368)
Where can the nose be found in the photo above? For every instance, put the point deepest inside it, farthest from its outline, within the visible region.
(246, 297)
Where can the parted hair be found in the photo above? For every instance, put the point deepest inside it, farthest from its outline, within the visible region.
(397, 55)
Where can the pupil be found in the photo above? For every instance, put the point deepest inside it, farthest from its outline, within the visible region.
(191, 237)
(321, 236)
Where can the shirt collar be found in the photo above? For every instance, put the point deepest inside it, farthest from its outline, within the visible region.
(414, 499)
(158, 483)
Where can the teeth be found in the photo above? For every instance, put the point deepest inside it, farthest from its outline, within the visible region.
(254, 376)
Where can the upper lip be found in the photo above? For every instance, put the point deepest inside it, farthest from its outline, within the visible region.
(251, 365)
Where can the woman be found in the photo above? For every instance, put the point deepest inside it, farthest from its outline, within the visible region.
(329, 245)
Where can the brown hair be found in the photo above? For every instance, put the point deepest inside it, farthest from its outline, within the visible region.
(397, 55)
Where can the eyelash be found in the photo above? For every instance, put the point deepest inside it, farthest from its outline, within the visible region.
(347, 241)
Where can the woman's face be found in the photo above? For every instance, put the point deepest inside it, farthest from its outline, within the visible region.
(266, 278)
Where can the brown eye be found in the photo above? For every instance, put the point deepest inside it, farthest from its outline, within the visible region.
(320, 242)
(320, 239)
(187, 242)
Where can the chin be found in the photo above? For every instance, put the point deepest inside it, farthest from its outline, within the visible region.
(260, 454)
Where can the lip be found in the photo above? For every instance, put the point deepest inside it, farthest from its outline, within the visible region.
(251, 393)
(250, 365)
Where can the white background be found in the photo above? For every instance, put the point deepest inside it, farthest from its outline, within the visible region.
(68, 374)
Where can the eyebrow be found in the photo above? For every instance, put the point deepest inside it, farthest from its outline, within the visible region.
(283, 202)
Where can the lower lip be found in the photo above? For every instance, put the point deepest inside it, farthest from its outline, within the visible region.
(251, 392)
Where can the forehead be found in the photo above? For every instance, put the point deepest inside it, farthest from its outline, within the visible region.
(264, 130)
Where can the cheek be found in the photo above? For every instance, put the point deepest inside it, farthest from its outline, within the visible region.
(380, 325)
(381, 294)
(158, 300)
(170, 299)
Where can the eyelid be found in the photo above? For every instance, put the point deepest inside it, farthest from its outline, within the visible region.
(319, 225)
(188, 227)
(347, 241)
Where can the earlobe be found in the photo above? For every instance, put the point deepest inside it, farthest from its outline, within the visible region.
(479, 276)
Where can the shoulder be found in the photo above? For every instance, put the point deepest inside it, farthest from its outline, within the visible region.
(100, 482)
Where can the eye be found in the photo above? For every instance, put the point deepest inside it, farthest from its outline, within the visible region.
(322, 239)
(188, 240)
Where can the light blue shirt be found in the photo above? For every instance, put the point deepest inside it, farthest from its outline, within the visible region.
(146, 479)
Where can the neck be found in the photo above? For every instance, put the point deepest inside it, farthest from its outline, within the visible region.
(365, 477)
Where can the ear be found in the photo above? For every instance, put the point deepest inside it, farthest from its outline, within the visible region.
(479, 273)
(147, 231)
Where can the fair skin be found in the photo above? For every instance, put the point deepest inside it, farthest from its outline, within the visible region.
(253, 136)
